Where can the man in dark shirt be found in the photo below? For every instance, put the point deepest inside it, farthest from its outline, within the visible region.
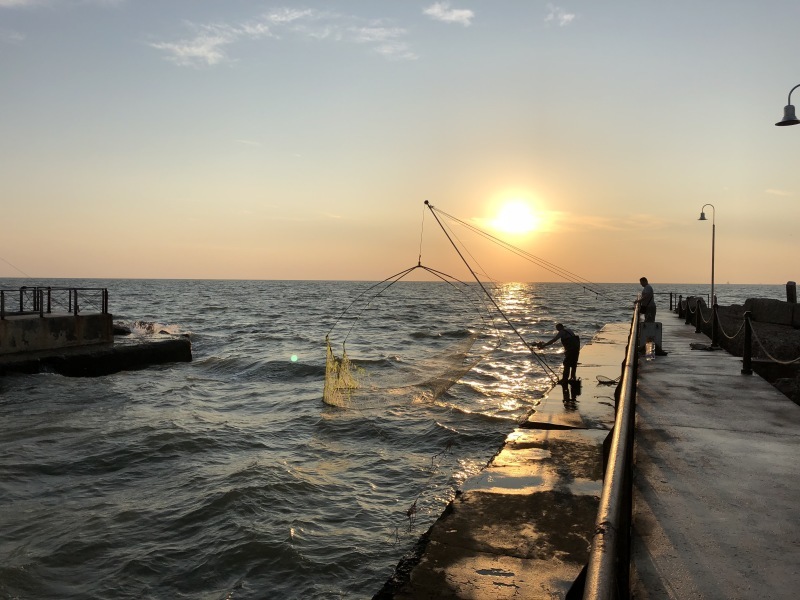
(572, 350)
(647, 302)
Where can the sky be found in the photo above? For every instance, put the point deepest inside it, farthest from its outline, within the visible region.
(238, 139)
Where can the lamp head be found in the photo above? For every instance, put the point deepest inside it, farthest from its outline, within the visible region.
(702, 216)
(789, 117)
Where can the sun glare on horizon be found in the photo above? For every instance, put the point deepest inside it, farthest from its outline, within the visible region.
(515, 217)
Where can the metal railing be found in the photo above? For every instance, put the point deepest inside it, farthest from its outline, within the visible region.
(47, 300)
(607, 573)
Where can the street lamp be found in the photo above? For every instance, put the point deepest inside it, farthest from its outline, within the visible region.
(713, 236)
(789, 117)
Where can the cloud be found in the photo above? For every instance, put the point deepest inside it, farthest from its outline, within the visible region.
(441, 11)
(637, 222)
(558, 15)
(8, 36)
(32, 3)
(774, 192)
(210, 44)
(16, 3)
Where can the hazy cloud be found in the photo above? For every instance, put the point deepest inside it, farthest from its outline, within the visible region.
(16, 3)
(8, 36)
(638, 222)
(210, 43)
(441, 11)
(556, 14)
(32, 3)
(774, 192)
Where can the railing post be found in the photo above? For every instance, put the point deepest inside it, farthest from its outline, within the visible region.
(747, 351)
(22, 299)
(714, 326)
(670, 302)
(49, 300)
(40, 301)
(680, 306)
(105, 301)
(75, 305)
(2, 305)
(689, 311)
(697, 317)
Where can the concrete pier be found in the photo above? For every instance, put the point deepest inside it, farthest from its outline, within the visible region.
(716, 488)
(81, 346)
(522, 528)
(717, 478)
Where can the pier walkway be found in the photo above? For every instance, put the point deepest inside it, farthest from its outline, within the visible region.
(716, 478)
(716, 488)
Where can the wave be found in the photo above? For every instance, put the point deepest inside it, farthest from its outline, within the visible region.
(455, 334)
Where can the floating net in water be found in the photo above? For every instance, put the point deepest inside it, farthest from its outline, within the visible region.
(401, 352)
(428, 377)
(341, 379)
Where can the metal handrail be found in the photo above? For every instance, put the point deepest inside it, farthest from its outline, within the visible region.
(607, 570)
(33, 299)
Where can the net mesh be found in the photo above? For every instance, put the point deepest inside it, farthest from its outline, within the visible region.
(341, 378)
(405, 344)
(348, 384)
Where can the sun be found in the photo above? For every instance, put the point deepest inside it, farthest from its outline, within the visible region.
(516, 217)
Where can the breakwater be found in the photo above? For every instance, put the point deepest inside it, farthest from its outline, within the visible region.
(523, 526)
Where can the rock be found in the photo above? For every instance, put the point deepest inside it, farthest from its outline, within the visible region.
(120, 329)
(768, 310)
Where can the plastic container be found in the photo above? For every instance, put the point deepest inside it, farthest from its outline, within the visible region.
(650, 349)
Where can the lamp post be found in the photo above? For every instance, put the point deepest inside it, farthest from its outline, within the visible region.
(713, 236)
(789, 117)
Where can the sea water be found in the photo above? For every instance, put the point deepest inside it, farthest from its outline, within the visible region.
(228, 477)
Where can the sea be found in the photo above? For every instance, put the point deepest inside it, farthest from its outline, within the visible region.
(229, 477)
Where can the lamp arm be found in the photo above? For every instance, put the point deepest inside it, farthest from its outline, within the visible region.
(790, 93)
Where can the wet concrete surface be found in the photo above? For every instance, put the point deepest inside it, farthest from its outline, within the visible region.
(717, 478)
(522, 527)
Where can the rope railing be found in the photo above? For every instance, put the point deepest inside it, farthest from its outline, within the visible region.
(768, 355)
(725, 333)
(694, 315)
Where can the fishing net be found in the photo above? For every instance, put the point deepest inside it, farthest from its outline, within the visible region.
(341, 379)
(403, 351)
(430, 375)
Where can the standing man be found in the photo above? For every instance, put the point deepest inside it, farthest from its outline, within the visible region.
(647, 302)
(572, 349)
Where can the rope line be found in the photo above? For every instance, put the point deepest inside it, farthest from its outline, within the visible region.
(15, 267)
(725, 334)
(544, 264)
(421, 234)
(772, 358)
(541, 361)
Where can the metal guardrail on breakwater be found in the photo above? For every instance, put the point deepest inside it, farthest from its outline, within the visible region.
(607, 573)
(43, 300)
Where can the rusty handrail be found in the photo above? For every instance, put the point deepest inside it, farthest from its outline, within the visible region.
(608, 566)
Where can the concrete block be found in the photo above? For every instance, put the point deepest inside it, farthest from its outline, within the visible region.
(32, 333)
(650, 330)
